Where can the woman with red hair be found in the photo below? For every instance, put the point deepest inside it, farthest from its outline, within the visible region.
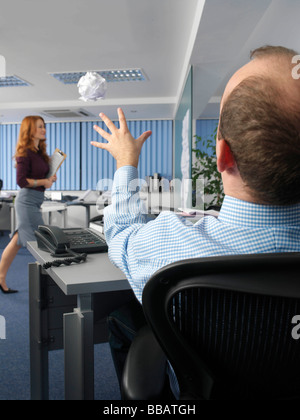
(32, 163)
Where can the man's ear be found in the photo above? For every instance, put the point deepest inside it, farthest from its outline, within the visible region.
(225, 159)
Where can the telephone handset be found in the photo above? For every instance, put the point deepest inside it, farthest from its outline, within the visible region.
(74, 242)
(52, 239)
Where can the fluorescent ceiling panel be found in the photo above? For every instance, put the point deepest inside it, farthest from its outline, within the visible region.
(12, 81)
(130, 75)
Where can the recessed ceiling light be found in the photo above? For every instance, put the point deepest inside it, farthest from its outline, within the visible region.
(129, 75)
(12, 81)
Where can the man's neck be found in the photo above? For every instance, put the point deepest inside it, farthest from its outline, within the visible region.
(235, 187)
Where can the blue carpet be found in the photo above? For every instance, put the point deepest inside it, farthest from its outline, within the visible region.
(14, 350)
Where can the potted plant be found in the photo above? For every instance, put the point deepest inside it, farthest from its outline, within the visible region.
(205, 168)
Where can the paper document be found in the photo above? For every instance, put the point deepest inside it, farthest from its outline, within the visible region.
(55, 161)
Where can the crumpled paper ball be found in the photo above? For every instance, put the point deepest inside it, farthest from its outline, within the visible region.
(92, 87)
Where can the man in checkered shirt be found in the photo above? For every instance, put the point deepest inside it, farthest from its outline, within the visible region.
(258, 155)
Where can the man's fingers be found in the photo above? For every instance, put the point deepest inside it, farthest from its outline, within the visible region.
(122, 120)
(102, 132)
(121, 145)
(109, 124)
(99, 145)
(143, 137)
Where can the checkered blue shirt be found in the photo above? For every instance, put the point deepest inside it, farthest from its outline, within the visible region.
(140, 247)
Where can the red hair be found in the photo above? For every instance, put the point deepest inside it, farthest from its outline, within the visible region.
(26, 137)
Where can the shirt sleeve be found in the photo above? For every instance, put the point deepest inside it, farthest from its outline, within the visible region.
(126, 214)
(137, 245)
(23, 168)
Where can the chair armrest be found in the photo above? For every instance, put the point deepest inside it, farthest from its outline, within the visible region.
(145, 368)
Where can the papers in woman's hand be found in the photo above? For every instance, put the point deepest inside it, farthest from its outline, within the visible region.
(55, 161)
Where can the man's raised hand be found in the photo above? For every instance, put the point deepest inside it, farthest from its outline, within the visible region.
(120, 143)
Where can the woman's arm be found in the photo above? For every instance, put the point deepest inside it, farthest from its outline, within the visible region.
(45, 182)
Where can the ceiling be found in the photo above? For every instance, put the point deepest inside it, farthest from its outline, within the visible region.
(162, 37)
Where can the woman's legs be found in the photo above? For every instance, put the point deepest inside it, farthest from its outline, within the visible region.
(7, 258)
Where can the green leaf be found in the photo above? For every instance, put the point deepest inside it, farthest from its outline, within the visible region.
(205, 166)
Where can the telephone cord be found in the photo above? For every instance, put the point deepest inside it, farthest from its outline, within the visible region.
(76, 258)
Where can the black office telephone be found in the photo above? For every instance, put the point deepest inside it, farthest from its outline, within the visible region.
(52, 239)
(75, 242)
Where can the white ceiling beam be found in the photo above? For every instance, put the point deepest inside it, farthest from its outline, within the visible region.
(223, 31)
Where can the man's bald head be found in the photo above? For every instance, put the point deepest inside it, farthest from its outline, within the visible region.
(260, 120)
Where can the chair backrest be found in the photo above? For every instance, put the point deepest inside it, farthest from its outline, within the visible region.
(228, 325)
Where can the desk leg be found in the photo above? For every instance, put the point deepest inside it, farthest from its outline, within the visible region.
(79, 351)
(38, 331)
(64, 214)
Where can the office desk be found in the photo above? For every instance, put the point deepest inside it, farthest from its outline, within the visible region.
(61, 316)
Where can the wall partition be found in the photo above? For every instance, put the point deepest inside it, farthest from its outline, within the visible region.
(86, 165)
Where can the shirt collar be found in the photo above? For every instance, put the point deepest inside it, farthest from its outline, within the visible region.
(244, 213)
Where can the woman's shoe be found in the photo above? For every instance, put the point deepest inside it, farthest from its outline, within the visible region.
(8, 291)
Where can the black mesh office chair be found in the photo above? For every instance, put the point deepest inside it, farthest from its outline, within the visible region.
(227, 326)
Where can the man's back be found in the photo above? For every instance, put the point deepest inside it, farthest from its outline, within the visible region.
(141, 248)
